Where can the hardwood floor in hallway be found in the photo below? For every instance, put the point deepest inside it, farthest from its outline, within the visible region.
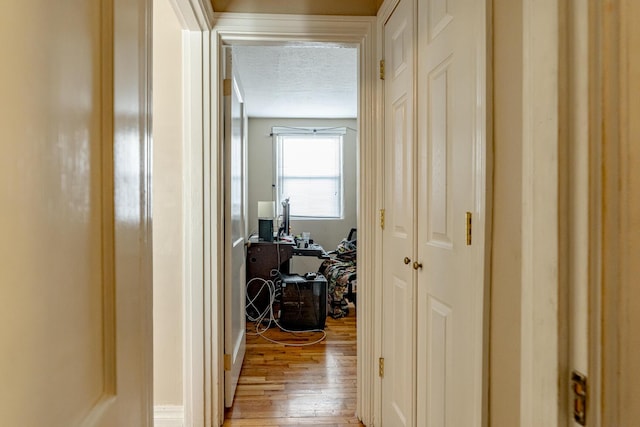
(299, 386)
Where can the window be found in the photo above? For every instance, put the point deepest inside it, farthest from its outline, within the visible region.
(309, 172)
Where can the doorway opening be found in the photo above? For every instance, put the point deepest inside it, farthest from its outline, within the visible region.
(298, 134)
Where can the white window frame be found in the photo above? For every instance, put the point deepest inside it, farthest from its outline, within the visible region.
(279, 135)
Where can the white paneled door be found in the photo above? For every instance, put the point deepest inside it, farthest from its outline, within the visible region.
(399, 233)
(451, 191)
(234, 232)
(75, 254)
(434, 186)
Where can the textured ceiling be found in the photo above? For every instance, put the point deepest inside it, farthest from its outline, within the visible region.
(298, 81)
(304, 7)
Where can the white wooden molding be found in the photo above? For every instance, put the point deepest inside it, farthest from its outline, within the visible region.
(539, 361)
(194, 257)
(168, 416)
(483, 183)
(369, 195)
(266, 28)
(193, 15)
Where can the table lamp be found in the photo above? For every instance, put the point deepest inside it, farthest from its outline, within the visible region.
(266, 213)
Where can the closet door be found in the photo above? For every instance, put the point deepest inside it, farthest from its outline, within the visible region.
(451, 186)
(398, 349)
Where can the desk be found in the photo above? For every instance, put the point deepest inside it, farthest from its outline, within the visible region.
(264, 257)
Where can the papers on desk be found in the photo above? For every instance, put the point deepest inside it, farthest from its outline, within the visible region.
(313, 250)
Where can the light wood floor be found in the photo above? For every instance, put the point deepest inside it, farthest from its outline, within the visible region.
(298, 386)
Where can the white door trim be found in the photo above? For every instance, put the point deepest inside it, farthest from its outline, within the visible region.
(384, 12)
(168, 416)
(195, 17)
(580, 310)
(194, 262)
(358, 31)
(540, 333)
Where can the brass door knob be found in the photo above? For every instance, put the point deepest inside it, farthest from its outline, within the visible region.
(406, 260)
(417, 265)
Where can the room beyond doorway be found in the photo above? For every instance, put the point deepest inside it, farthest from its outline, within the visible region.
(286, 111)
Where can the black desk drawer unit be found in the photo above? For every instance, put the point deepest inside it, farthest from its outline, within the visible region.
(303, 302)
(262, 258)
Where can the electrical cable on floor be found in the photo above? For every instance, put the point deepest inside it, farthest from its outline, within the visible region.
(260, 318)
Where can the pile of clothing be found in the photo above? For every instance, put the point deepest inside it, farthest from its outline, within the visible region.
(340, 271)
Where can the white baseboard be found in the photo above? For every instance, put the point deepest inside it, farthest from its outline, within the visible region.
(168, 416)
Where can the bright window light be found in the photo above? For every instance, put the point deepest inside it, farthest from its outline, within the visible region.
(309, 173)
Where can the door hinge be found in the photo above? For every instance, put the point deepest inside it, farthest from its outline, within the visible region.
(579, 387)
(382, 218)
(381, 367)
(382, 69)
(468, 228)
(227, 362)
(226, 87)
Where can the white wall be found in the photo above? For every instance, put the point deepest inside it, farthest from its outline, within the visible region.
(167, 205)
(506, 266)
(327, 233)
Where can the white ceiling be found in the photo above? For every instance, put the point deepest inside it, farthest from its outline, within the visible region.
(305, 81)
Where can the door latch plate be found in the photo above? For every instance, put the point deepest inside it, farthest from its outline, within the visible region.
(579, 387)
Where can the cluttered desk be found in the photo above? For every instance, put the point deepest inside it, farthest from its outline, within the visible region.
(264, 256)
(269, 250)
(300, 298)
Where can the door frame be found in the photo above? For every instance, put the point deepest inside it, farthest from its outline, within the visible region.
(356, 31)
(196, 18)
(541, 308)
(553, 135)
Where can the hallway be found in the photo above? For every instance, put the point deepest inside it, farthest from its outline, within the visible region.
(311, 385)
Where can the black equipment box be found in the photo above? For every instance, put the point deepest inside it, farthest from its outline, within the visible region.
(303, 302)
